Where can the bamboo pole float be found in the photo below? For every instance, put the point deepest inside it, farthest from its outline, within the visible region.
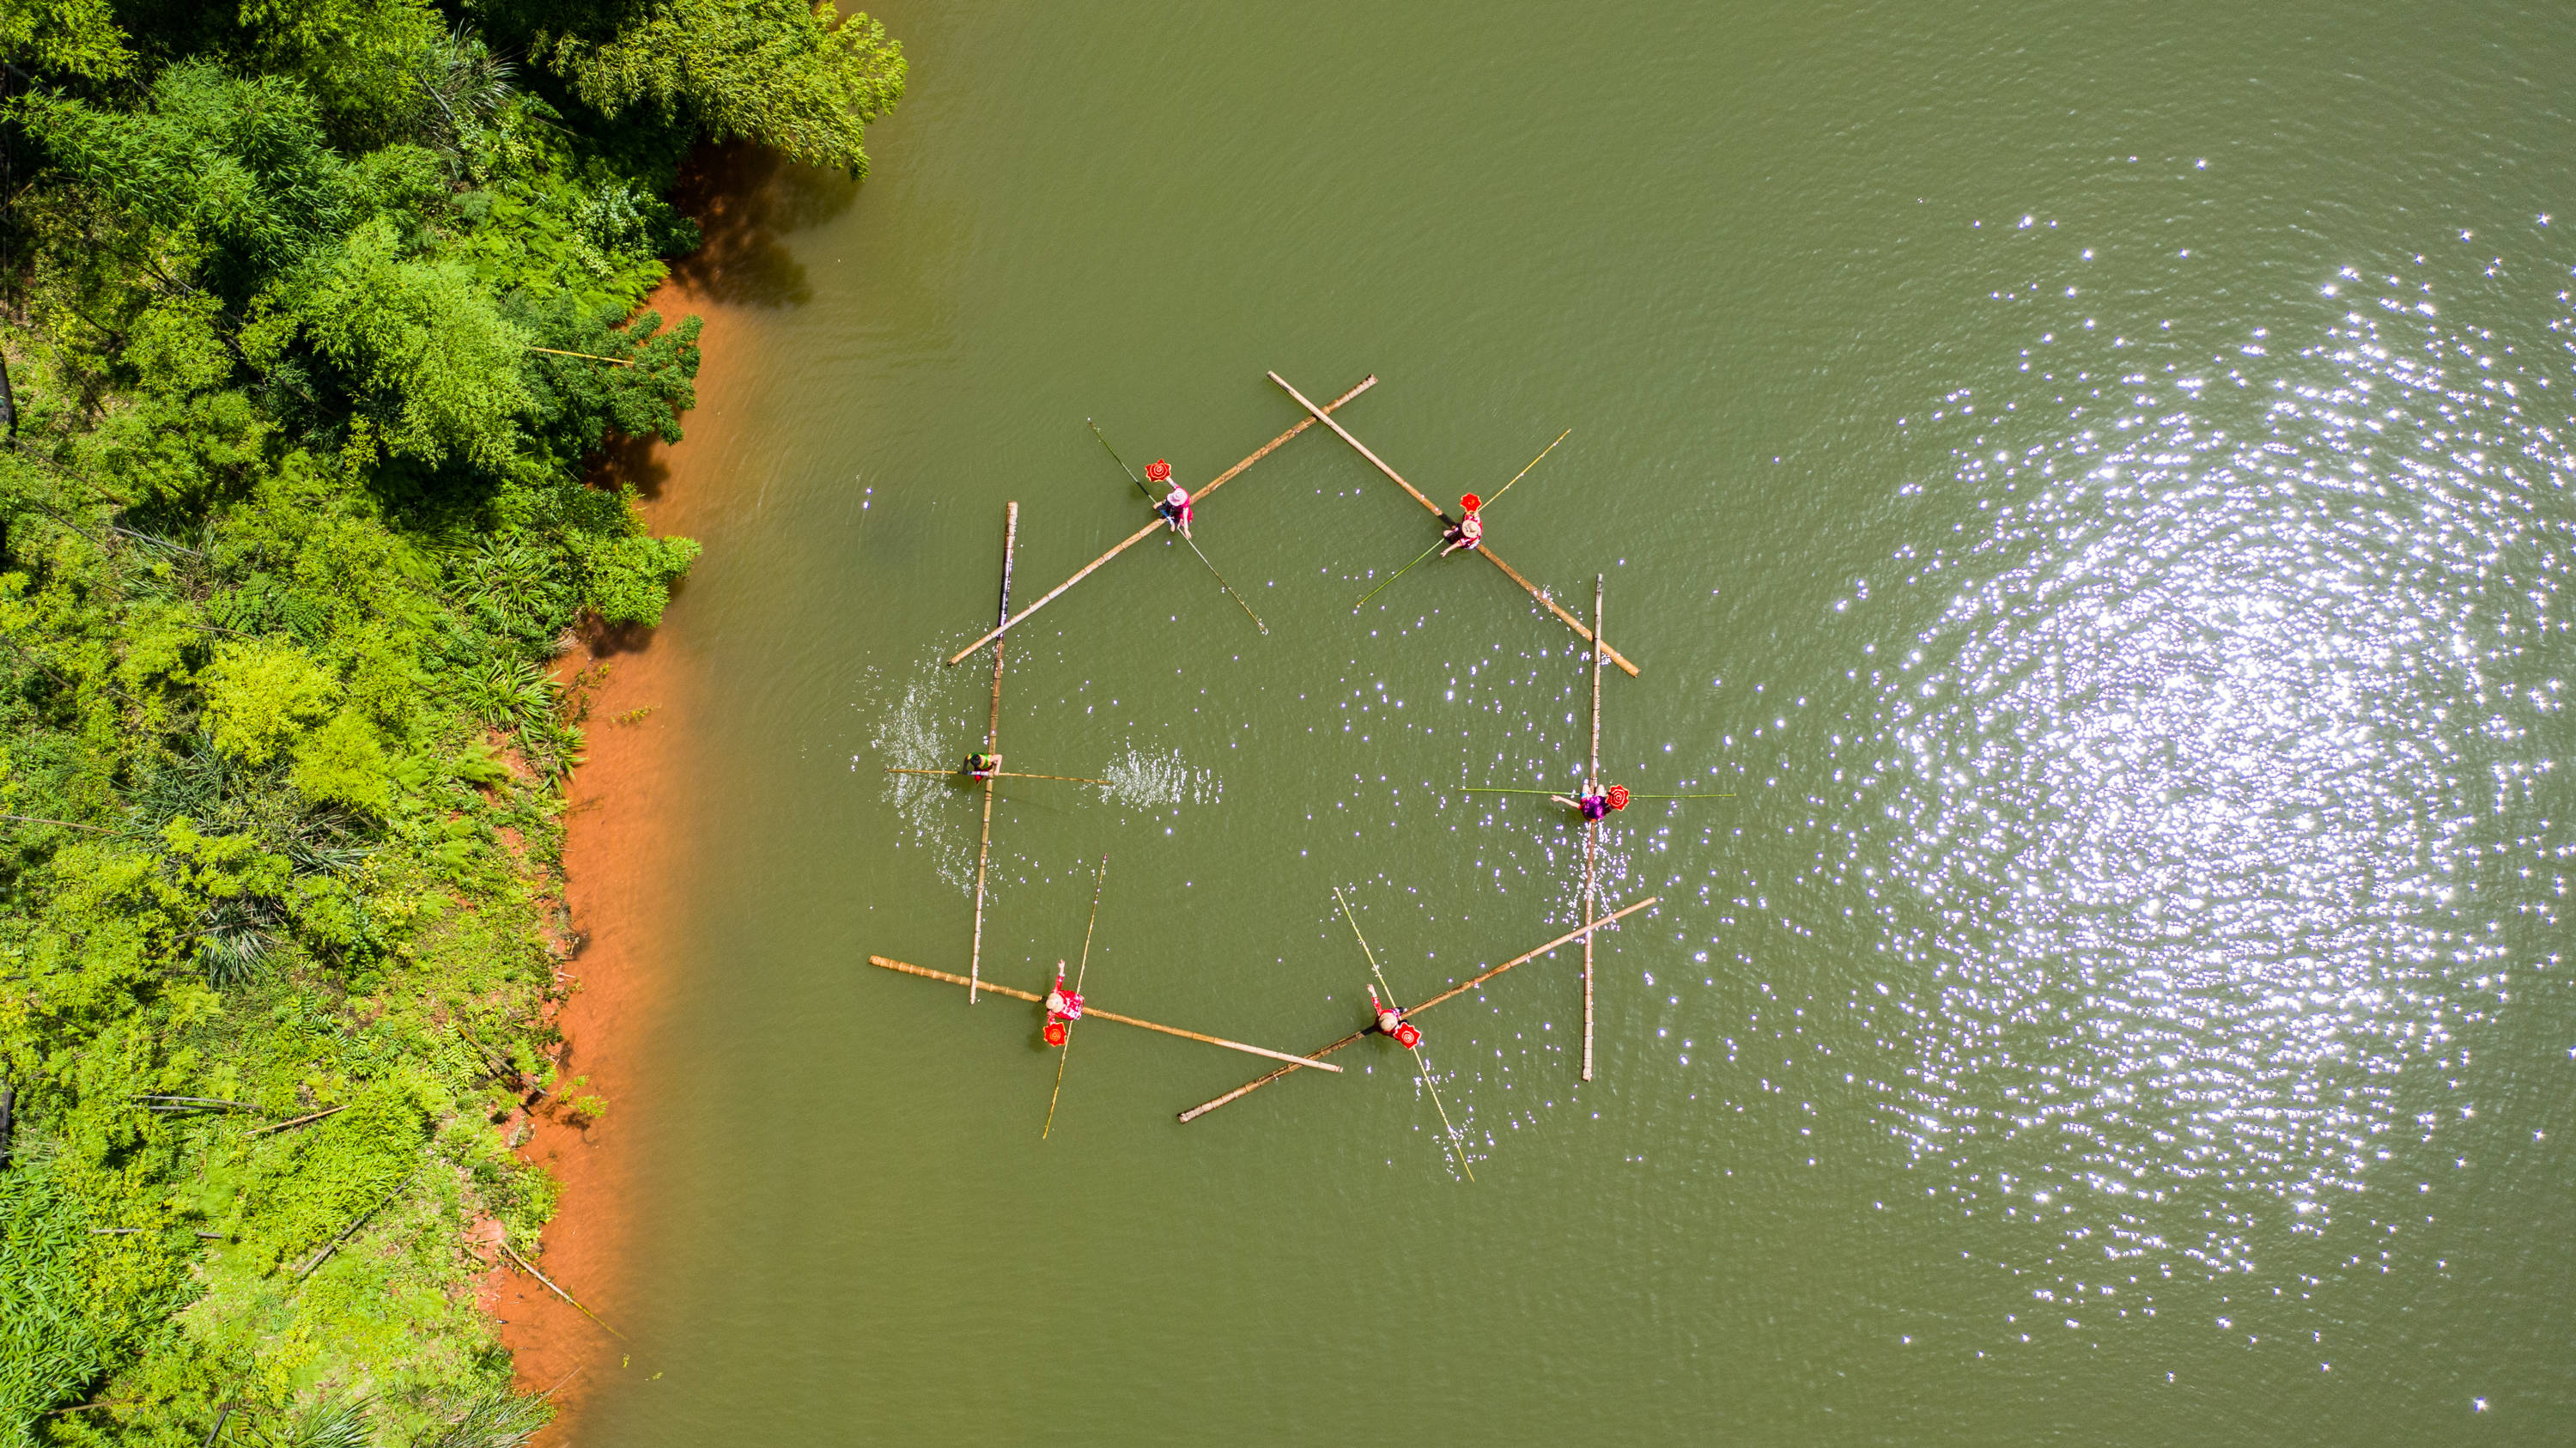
(1592, 828)
(1316, 1057)
(1005, 774)
(1486, 550)
(1141, 534)
(1095, 1013)
(992, 745)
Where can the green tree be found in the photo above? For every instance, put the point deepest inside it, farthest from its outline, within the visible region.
(292, 524)
(262, 695)
(344, 763)
(796, 78)
(231, 173)
(355, 56)
(64, 38)
(427, 346)
(629, 579)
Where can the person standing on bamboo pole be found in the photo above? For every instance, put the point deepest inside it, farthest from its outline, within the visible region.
(1063, 1008)
(1391, 1024)
(1175, 506)
(1596, 806)
(1469, 531)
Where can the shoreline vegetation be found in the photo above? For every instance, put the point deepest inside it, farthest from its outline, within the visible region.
(298, 517)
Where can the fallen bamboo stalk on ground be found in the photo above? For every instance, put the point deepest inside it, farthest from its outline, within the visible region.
(130, 1231)
(299, 1121)
(530, 1268)
(992, 747)
(1485, 549)
(355, 1223)
(193, 1103)
(66, 824)
(1141, 534)
(1091, 1012)
(1316, 1057)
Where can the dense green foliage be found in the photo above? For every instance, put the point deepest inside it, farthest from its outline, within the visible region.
(295, 520)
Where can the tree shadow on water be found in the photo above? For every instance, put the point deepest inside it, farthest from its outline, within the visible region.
(609, 640)
(641, 463)
(744, 199)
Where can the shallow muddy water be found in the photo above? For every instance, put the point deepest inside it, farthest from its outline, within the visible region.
(2091, 485)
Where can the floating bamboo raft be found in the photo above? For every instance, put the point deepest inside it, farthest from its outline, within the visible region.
(1592, 829)
(1316, 1057)
(1095, 1013)
(1141, 534)
(992, 745)
(1322, 415)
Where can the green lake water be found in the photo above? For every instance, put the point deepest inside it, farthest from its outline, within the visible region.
(2091, 480)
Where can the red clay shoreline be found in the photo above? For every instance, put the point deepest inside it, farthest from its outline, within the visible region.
(625, 808)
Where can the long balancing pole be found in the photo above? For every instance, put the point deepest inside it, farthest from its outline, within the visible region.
(1552, 794)
(1194, 547)
(1080, 972)
(1316, 1057)
(1004, 774)
(1416, 1052)
(1489, 502)
(1141, 534)
(992, 745)
(1399, 573)
(1525, 472)
(1486, 551)
(1094, 1013)
(1592, 828)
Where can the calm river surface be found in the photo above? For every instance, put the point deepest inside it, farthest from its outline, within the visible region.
(2091, 481)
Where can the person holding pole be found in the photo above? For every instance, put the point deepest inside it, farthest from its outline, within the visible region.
(1390, 1023)
(1470, 529)
(1063, 1008)
(1596, 806)
(1175, 506)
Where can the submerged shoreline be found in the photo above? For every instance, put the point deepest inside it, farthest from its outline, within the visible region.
(625, 821)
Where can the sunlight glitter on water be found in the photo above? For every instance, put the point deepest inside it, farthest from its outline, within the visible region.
(921, 730)
(2172, 812)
